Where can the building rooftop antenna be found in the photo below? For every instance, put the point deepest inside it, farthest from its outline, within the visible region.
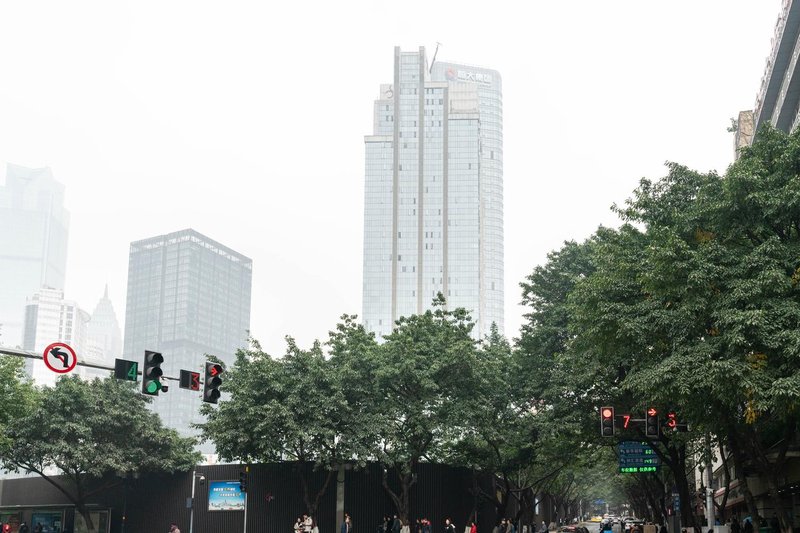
(438, 44)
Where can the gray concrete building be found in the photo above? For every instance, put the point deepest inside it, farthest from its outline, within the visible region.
(433, 199)
(778, 99)
(188, 296)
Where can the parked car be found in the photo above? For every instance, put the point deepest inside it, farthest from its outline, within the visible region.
(631, 521)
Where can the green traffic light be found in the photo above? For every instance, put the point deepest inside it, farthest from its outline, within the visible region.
(153, 386)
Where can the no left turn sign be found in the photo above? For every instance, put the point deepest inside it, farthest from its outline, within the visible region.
(60, 358)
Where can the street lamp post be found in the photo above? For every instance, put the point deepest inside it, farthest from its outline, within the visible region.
(202, 478)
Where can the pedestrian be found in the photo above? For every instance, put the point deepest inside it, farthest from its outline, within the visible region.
(663, 528)
(473, 528)
(735, 527)
(173, 528)
(748, 526)
(23, 528)
(346, 524)
(298, 525)
(6, 528)
(396, 525)
(387, 524)
(543, 529)
(308, 524)
(40, 529)
(426, 525)
(449, 527)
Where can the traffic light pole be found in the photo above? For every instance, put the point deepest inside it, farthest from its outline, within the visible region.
(245, 513)
(13, 352)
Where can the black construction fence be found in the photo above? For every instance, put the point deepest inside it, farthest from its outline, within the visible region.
(274, 500)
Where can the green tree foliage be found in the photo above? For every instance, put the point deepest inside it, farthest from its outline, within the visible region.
(17, 395)
(302, 407)
(79, 436)
(692, 304)
(425, 363)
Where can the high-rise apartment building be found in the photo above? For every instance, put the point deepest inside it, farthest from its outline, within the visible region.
(778, 99)
(34, 227)
(188, 296)
(50, 318)
(433, 199)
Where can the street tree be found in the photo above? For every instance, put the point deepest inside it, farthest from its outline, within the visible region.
(496, 432)
(17, 395)
(300, 407)
(418, 371)
(89, 433)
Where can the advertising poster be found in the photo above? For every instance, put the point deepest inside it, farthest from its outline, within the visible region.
(225, 496)
(46, 522)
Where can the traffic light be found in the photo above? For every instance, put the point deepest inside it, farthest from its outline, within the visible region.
(651, 423)
(243, 479)
(674, 425)
(607, 421)
(151, 373)
(213, 381)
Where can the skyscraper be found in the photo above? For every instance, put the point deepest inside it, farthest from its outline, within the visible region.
(187, 296)
(104, 336)
(433, 199)
(33, 243)
(50, 318)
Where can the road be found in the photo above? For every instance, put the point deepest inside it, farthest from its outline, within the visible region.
(594, 527)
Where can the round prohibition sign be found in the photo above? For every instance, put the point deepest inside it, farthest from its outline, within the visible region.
(60, 358)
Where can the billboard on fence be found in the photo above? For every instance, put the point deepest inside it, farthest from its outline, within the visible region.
(225, 496)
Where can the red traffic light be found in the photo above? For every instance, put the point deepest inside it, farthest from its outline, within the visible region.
(607, 422)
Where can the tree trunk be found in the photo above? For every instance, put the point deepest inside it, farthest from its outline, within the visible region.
(312, 503)
(721, 508)
(738, 455)
(401, 501)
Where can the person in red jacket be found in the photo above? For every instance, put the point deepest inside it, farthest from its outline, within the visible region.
(473, 528)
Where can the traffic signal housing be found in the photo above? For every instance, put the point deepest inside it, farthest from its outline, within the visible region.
(243, 479)
(651, 423)
(607, 421)
(212, 383)
(151, 373)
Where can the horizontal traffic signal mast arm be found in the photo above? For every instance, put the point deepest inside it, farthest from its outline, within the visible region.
(13, 352)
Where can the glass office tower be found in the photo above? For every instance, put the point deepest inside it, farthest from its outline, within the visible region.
(187, 296)
(34, 227)
(433, 207)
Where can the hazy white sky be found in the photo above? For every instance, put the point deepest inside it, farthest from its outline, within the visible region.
(245, 121)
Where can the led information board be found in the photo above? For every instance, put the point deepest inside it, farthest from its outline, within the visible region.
(636, 457)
